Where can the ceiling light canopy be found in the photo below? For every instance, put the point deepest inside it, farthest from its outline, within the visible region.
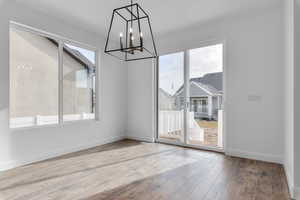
(130, 35)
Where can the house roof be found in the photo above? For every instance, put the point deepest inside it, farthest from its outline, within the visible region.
(79, 56)
(207, 88)
(76, 55)
(214, 80)
(208, 85)
(165, 93)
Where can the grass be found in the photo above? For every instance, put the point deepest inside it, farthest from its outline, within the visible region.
(207, 124)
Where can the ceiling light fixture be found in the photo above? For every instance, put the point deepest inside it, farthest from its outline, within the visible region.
(134, 22)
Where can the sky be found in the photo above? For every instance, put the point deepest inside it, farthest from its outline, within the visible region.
(203, 61)
(87, 53)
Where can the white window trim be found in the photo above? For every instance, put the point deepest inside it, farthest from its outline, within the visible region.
(61, 41)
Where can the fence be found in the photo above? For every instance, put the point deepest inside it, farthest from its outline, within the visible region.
(171, 124)
(44, 120)
(170, 121)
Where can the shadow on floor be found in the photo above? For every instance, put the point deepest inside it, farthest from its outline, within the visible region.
(106, 147)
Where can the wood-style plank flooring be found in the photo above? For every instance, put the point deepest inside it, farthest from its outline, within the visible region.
(143, 171)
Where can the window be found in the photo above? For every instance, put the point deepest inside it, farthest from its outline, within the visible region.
(51, 81)
(203, 106)
(79, 92)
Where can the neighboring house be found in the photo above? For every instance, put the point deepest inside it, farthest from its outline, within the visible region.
(166, 100)
(205, 96)
(34, 73)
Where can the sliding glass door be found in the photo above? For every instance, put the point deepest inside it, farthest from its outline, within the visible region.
(190, 97)
(171, 104)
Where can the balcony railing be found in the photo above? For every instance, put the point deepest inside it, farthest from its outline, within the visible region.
(171, 126)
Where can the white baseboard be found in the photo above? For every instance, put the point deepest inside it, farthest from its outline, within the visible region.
(7, 165)
(254, 156)
(142, 139)
(17, 163)
(296, 194)
(289, 182)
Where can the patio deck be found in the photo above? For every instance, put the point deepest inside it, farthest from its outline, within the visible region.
(210, 134)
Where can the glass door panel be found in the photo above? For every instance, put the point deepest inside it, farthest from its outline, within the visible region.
(171, 98)
(205, 94)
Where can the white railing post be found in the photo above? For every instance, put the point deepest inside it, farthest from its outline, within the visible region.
(220, 128)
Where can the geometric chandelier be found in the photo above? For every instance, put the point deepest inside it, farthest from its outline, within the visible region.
(130, 35)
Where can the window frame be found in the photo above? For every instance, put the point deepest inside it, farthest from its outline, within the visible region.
(156, 64)
(61, 40)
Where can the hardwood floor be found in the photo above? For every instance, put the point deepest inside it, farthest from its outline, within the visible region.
(135, 170)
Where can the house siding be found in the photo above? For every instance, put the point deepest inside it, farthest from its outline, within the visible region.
(34, 78)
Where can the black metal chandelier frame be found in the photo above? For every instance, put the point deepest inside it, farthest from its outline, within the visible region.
(129, 49)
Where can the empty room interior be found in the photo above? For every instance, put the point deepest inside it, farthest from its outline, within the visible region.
(149, 100)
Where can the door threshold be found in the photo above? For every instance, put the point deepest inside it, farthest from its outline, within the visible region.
(199, 147)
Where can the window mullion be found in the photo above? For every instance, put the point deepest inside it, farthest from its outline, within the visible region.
(186, 73)
(97, 112)
(60, 82)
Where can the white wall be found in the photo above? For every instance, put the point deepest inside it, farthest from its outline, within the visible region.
(22, 146)
(254, 66)
(4, 141)
(297, 97)
(289, 93)
(141, 100)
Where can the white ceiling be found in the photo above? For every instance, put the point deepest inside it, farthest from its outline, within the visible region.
(166, 15)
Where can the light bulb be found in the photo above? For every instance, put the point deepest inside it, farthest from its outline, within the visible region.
(141, 34)
(132, 38)
(121, 34)
(130, 30)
